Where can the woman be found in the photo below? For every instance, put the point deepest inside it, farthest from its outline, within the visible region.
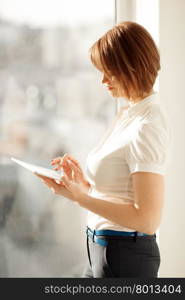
(123, 188)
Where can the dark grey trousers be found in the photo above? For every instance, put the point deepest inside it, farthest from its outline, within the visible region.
(125, 256)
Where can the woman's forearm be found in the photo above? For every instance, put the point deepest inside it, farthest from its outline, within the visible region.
(126, 215)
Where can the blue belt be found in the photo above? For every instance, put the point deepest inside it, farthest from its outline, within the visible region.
(95, 233)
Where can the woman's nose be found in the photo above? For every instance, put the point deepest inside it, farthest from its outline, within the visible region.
(104, 80)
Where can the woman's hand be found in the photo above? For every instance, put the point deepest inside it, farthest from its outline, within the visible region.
(73, 184)
(64, 163)
(57, 187)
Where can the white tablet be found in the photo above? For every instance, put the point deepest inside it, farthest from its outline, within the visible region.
(40, 170)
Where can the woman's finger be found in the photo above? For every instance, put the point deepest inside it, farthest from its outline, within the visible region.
(67, 170)
(55, 161)
(41, 176)
(47, 180)
(73, 165)
(61, 166)
(78, 174)
(66, 180)
(59, 182)
(70, 157)
(53, 185)
(58, 159)
(75, 162)
(61, 163)
(75, 169)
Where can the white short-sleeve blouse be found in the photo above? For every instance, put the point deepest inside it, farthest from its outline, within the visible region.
(140, 140)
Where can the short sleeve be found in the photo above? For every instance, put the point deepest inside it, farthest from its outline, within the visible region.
(149, 149)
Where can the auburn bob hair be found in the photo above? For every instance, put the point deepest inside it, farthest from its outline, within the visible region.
(129, 53)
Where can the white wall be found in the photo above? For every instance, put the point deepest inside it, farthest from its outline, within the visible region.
(171, 80)
(171, 87)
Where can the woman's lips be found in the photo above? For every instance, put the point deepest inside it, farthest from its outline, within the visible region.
(110, 88)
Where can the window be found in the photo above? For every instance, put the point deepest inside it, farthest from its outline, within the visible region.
(51, 98)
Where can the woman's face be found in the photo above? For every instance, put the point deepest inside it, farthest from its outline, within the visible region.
(116, 91)
(112, 86)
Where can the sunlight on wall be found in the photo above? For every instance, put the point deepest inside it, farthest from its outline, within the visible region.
(147, 14)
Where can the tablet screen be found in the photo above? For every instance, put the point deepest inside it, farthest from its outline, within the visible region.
(38, 169)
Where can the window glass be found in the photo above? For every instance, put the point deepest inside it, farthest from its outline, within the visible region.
(51, 102)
